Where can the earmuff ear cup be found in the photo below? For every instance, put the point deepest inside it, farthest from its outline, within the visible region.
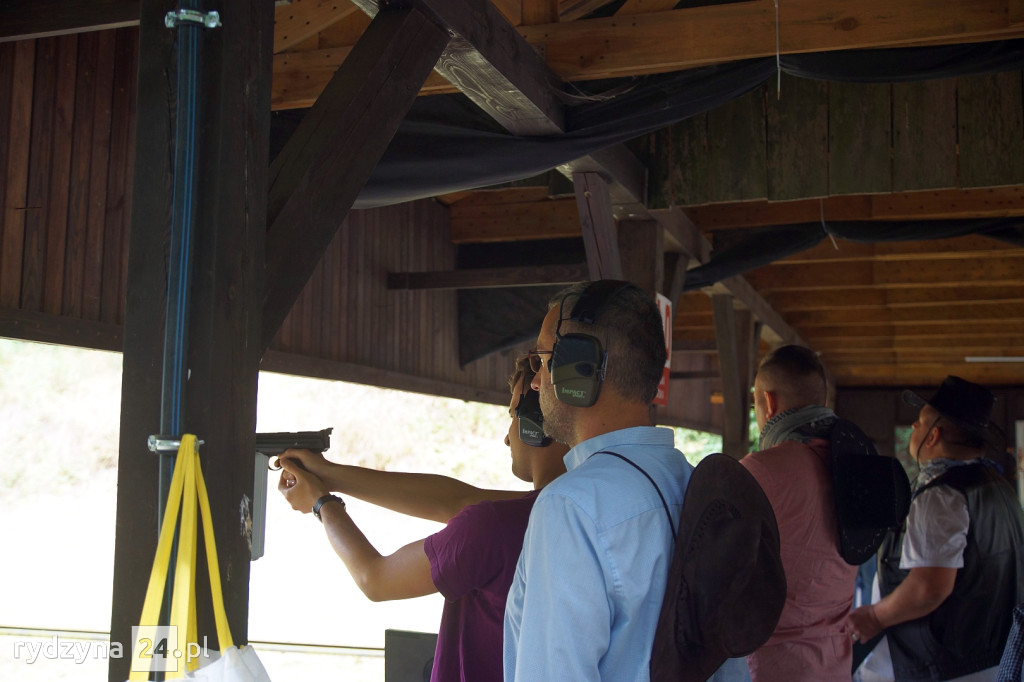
(576, 362)
(531, 421)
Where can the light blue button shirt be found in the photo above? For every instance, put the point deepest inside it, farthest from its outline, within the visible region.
(589, 583)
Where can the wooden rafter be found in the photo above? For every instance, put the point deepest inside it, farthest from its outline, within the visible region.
(491, 63)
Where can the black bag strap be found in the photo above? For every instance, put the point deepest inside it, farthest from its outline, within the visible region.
(668, 514)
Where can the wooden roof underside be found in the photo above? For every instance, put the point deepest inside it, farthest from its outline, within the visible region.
(881, 314)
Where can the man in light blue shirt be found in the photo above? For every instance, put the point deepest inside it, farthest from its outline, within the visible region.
(589, 584)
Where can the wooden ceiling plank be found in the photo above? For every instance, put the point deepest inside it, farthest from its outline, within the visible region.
(300, 77)
(316, 177)
(491, 63)
(489, 278)
(302, 19)
(29, 19)
(972, 313)
(895, 298)
(631, 7)
(535, 12)
(1005, 270)
(600, 238)
(571, 10)
(842, 333)
(698, 36)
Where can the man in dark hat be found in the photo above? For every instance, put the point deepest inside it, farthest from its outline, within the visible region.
(951, 576)
(811, 642)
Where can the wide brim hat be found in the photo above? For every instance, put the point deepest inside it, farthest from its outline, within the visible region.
(966, 404)
(726, 585)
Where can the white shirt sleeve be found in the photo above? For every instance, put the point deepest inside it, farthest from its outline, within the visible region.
(936, 529)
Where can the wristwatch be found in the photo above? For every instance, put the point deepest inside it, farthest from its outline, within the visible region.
(322, 501)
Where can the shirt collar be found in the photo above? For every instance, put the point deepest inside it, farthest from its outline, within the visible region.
(934, 468)
(622, 438)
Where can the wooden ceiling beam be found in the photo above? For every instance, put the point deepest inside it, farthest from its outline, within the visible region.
(698, 36)
(971, 314)
(626, 176)
(489, 278)
(948, 204)
(1007, 270)
(990, 202)
(663, 41)
(473, 223)
(303, 19)
(971, 246)
(29, 19)
(491, 63)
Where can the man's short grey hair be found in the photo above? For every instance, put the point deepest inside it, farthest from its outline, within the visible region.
(630, 331)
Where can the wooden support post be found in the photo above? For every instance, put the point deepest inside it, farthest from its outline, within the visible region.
(224, 350)
(642, 251)
(319, 173)
(734, 330)
(598, 224)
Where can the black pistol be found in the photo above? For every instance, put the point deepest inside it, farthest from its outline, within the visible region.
(273, 444)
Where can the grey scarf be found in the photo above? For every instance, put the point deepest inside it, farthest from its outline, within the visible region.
(802, 424)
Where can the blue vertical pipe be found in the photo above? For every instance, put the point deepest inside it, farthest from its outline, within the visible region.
(179, 275)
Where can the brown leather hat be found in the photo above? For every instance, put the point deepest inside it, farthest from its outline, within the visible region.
(726, 585)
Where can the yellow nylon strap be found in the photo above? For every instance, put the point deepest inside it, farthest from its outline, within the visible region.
(216, 592)
(187, 492)
(183, 598)
(161, 561)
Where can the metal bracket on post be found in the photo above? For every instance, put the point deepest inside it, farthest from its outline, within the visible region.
(207, 19)
(166, 445)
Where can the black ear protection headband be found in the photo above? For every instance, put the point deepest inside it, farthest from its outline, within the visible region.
(531, 421)
(578, 361)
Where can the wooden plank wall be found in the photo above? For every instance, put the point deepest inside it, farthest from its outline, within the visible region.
(821, 139)
(346, 314)
(66, 129)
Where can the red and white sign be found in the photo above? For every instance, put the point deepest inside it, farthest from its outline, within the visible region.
(665, 308)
